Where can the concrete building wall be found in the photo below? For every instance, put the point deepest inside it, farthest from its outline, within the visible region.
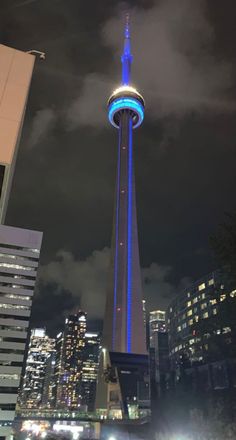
(15, 78)
(19, 257)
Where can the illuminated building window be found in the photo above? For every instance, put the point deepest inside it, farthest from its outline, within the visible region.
(203, 295)
(222, 297)
(184, 325)
(233, 293)
(195, 310)
(213, 301)
(201, 286)
(191, 341)
(195, 300)
(196, 318)
(205, 315)
(16, 266)
(179, 328)
(170, 309)
(214, 311)
(211, 282)
(189, 303)
(190, 322)
(190, 312)
(226, 330)
(203, 306)
(188, 294)
(184, 316)
(206, 346)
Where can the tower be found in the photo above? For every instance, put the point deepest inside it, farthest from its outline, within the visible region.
(123, 324)
(124, 341)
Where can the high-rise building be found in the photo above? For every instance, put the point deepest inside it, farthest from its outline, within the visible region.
(40, 350)
(159, 351)
(19, 258)
(124, 331)
(157, 324)
(15, 77)
(90, 370)
(201, 323)
(48, 399)
(69, 361)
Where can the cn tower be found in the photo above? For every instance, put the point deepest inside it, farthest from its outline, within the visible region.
(123, 379)
(123, 323)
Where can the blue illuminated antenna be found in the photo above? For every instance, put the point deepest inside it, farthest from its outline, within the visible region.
(126, 57)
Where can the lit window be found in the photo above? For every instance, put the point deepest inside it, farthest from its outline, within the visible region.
(184, 325)
(195, 300)
(190, 322)
(188, 294)
(214, 311)
(189, 303)
(15, 266)
(190, 312)
(205, 315)
(226, 330)
(196, 318)
(201, 286)
(179, 328)
(170, 309)
(191, 341)
(203, 306)
(213, 301)
(206, 346)
(233, 293)
(184, 316)
(222, 297)
(203, 295)
(211, 282)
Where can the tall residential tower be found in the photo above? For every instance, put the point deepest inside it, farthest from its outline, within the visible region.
(124, 332)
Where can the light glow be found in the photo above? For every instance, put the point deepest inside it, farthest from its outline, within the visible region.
(125, 89)
(129, 241)
(129, 104)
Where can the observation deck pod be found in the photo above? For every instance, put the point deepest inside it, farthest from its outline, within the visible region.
(126, 98)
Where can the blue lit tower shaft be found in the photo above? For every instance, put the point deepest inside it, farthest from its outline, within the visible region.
(123, 324)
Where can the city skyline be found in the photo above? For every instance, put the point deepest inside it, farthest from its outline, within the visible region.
(184, 156)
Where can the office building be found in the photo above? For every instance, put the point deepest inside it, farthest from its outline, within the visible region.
(201, 323)
(90, 370)
(48, 398)
(157, 324)
(19, 258)
(124, 332)
(15, 78)
(39, 353)
(159, 351)
(69, 361)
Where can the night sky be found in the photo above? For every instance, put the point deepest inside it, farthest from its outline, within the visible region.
(185, 66)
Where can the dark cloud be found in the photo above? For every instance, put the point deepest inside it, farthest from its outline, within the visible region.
(184, 63)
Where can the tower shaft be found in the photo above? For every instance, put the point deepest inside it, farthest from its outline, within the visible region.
(123, 326)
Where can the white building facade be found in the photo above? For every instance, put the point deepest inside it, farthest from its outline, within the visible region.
(19, 258)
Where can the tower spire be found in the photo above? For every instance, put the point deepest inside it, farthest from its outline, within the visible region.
(126, 57)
